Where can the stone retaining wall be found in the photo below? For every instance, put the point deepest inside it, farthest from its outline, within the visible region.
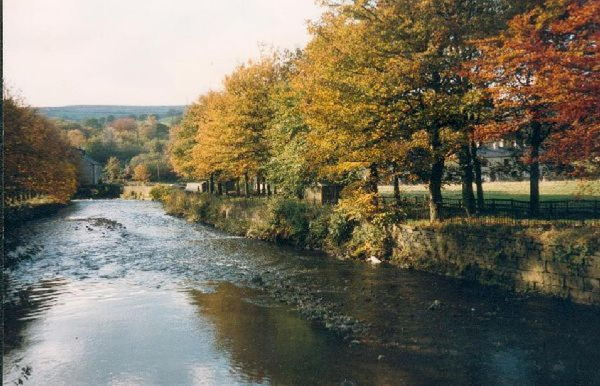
(540, 261)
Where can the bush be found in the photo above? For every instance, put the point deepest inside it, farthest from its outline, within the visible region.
(318, 227)
(161, 192)
(357, 231)
(340, 228)
(369, 240)
(288, 221)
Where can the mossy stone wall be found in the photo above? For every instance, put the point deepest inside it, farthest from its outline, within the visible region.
(561, 263)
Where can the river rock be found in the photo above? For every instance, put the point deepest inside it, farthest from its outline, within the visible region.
(373, 260)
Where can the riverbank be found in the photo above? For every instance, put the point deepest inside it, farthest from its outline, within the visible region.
(557, 261)
(18, 214)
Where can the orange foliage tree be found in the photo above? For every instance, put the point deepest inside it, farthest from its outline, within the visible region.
(37, 158)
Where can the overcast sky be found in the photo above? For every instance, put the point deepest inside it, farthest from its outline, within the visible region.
(139, 52)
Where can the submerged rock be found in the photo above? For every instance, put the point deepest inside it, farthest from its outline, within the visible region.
(435, 305)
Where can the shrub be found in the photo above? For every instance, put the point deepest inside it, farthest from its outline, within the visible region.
(288, 221)
(340, 228)
(368, 240)
(161, 192)
(318, 227)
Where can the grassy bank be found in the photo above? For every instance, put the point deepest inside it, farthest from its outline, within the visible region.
(338, 231)
(344, 230)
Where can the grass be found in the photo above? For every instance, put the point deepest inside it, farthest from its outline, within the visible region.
(518, 190)
(31, 202)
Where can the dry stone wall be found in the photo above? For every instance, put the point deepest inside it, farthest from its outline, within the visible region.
(565, 265)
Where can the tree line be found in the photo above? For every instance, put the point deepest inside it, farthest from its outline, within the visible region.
(124, 145)
(41, 156)
(401, 88)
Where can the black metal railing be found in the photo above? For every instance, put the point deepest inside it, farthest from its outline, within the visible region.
(505, 211)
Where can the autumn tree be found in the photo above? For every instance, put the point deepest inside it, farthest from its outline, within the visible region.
(543, 76)
(76, 138)
(247, 115)
(157, 164)
(148, 128)
(210, 154)
(182, 140)
(231, 125)
(37, 156)
(141, 173)
(381, 83)
(124, 129)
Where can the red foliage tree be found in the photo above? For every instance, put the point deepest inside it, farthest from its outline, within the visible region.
(544, 77)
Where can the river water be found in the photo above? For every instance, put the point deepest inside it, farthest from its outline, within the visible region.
(119, 293)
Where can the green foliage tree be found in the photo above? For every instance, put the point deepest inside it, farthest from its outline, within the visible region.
(288, 167)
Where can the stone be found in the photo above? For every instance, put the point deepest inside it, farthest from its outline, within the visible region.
(373, 260)
(556, 267)
(591, 284)
(435, 305)
(574, 282)
(553, 280)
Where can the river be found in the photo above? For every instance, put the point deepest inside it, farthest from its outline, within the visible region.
(115, 292)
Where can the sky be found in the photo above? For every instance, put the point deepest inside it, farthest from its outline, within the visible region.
(139, 52)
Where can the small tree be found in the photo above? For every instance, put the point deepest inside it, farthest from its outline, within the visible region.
(112, 169)
(141, 173)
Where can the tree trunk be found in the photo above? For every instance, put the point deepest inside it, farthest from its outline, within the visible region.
(397, 198)
(466, 166)
(478, 179)
(237, 187)
(436, 176)
(372, 180)
(211, 184)
(264, 186)
(246, 186)
(534, 170)
(269, 190)
(220, 188)
(435, 190)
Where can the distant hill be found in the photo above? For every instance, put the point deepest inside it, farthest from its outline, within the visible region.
(81, 112)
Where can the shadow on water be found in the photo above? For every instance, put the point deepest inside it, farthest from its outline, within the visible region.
(268, 343)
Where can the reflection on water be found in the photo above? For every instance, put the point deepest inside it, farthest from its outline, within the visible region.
(267, 343)
(118, 293)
